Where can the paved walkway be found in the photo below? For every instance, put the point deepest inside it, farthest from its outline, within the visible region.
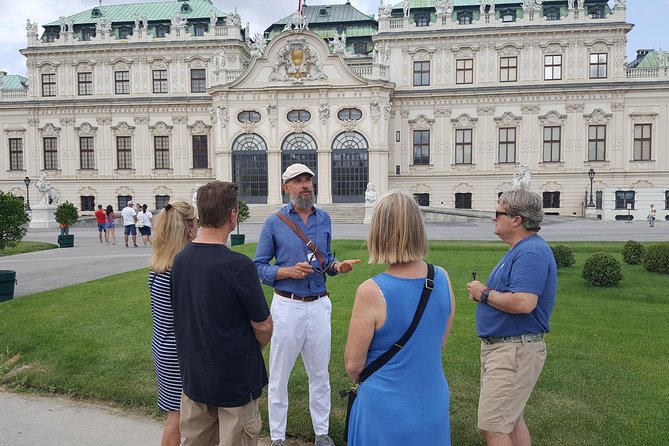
(58, 421)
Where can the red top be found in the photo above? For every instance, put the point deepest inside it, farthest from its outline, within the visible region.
(100, 216)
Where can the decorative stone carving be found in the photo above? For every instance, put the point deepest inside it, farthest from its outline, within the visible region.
(296, 62)
(85, 129)
(31, 28)
(508, 119)
(532, 5)
(464, 121)
(161, 129)
(421, 122)
(49, 131)
(485, 3)
(620, 4)
(522, 179)
(598, 117)
(406, 8)
(643, 118)
(553, 118)
(324, 112)
(575, 108)
(258, 45)
(370, 194)
(123, 129)
(199, 128)
(272, 112)
(374, 109)
(385, 10)
(338, 43)
(48, 195)
(297, 21)
(103, 25)
(529, 109)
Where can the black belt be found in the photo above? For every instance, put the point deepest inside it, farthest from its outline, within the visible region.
(302, 298)
(520, 339)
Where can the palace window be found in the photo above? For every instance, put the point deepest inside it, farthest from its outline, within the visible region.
(87, 153)
(15, 154)
(198, 81)
(161, 30)
(124, 32)
(463, 146)
(507, 145)
(349, 114)
(299, 116)
(49, 84)
(624, 198)
(200, 29)
(552, 138)
(508, 69)
(422, 19)
(161, 201)
(162, 151)
(87, 34)
(642, 142)
(122, 82)
(50, 146)
(552, 13)
(122, 201)
(200, 152)
(598, 66)
(421, 73)
(248, 116)
(87, 202)
(360, 47)
(421, 147)
(85, 84)
(123, 152)
(551, 199)
(596, 143)
(160, 81)
(465, 17)
(464, 71)
(463, 200)
(553, 67)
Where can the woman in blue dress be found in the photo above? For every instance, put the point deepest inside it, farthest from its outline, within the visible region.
(174, 227)
(406, 401)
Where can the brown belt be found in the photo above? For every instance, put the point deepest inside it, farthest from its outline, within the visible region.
(302, 298)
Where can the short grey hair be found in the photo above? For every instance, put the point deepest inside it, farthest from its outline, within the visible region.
(526, 204)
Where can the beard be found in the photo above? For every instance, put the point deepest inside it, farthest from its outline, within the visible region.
(303, 202)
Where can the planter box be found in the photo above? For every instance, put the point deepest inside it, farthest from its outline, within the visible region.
(7, 282)
(237, 239)
(66, 241)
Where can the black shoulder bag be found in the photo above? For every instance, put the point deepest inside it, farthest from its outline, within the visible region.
(392, 351)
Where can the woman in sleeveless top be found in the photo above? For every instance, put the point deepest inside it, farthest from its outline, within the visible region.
(174, 227)
(406, 401)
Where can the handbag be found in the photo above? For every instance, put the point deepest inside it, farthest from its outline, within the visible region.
(139, 223)
(352, 394)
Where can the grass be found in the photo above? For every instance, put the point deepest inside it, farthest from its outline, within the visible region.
(605, 380)
(24, 247)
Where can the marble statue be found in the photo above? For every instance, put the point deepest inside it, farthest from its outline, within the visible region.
(213, 18)
(522, 179)
(31, 27)
(406, 7)
(47, 195)
(370, 194)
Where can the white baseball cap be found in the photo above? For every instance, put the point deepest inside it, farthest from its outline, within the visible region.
(295, 170)
(130, 202)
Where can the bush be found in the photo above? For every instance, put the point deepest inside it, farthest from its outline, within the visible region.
(564, 256)
(633, 252)
(602, 270)
(243, 213)
(66, 214)
(656, 258)
(12, 218)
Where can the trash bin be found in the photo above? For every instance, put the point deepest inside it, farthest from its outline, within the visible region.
(7, 282)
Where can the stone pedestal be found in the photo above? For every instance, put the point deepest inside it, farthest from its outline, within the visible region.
(591, 213)
(43, 217)
(369, 208)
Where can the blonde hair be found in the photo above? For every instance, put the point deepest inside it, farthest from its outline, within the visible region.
(397, 233)
(170, 233)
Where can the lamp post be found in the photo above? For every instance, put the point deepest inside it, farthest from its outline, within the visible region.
(591, 175)
(26, 181)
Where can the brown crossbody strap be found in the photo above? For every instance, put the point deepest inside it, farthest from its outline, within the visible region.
(311, 245)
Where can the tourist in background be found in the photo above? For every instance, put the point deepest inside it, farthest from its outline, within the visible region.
(111, 224)
(176, 225)
(101, 219)
(406, 401)
(129, 220)
(145, 230)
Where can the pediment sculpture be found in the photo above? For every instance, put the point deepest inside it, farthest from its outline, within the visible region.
(296, 62)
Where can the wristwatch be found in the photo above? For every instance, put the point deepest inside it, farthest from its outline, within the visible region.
(484, 295)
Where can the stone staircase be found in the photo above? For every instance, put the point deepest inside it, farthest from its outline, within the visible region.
(341, 213)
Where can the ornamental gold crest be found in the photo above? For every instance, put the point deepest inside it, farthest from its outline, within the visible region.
(297, 62)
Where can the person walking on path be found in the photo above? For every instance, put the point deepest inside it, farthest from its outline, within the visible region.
(176, 225)
(111, 224)
(512, 316)
(301, 307)
(129, 219)
(651, 215)
(411, 386)
(221, 323)
(101, 219)
(145, 229)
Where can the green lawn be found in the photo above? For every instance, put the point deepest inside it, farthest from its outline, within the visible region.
(24, 247)
(605, 380)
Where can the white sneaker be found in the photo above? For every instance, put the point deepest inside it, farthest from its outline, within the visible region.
(324, 440)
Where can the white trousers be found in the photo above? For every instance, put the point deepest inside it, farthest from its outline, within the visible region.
(299, 328)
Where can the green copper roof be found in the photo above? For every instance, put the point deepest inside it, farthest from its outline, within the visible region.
(654, 59)
(13, 82)
(329, 14)
(163, 11)
(456, 3)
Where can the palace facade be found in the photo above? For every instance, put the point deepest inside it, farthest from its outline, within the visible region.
(447, 99)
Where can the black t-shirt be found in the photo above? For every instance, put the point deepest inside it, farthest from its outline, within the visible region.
(216, 294)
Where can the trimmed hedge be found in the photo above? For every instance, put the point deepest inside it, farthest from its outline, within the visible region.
(656, 258)
(564, 256)
(633, 252)
(602, 270)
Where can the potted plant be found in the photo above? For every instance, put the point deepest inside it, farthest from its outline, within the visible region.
(242, 216)
(66, 215)
(13, 218)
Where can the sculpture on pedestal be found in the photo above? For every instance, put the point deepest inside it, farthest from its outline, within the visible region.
(47, 196)
(522, 179)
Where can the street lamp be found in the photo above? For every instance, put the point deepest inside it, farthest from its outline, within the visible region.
(26, 181)
(591, 175)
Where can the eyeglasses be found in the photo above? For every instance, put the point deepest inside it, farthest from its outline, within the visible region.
(316, 265)
(498, 213)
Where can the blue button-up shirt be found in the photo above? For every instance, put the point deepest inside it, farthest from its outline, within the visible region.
(277, 241)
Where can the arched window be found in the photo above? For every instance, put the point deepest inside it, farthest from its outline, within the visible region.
(300, 148)
(299, 116)
(248, 116)
(249, 167)
(349, 114)
(360, 47)
(422, 19)
(465, 17)
(200, 29)
(350, 168)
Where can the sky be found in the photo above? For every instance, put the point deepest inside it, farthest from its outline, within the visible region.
(646, 15)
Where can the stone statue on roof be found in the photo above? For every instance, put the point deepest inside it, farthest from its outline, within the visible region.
(406, 7)
(570, 4)
(103, 24)
(213, 18)
(384, 10)
(258, 45)
(485, 3)
(179, 21)
(338, 43)
(31, 27)
(534, 5)
(620, 4)
(62, 24)
(581, 4)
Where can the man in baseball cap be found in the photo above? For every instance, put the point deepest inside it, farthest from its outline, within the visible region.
(300, 304)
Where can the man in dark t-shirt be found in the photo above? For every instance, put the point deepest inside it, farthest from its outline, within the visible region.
(221, 322)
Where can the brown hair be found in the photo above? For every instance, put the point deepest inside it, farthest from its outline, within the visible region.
(397, 234)
(170, 233)
(215, 202)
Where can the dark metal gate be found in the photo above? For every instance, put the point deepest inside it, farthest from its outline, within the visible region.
(350, 168)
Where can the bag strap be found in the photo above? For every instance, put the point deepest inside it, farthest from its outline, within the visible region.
(428, 286)
(311, 245)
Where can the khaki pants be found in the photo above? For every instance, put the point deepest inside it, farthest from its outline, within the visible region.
(205, 425)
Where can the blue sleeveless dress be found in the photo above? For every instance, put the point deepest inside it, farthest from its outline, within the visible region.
(406, 401)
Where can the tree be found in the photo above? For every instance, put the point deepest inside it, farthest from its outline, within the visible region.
(243, 213)
(13, 217)
(66, 214)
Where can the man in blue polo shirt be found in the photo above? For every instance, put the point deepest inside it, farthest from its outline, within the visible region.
(301, 307)
(512, 316)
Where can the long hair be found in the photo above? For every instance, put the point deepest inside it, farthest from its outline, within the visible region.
(397, 233)
(170, 233)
